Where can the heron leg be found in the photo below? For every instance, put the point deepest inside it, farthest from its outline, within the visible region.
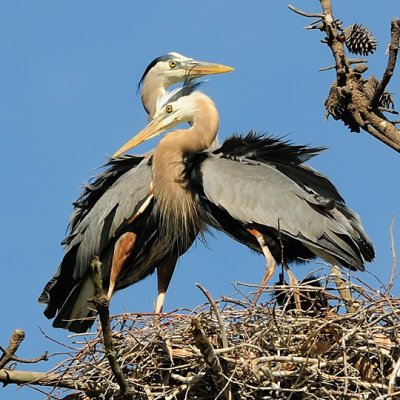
(270, 262)
(123, 248)
(164, 275)
(344, 291)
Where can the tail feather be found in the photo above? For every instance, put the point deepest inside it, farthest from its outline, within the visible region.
(77, 313)
(345, 239)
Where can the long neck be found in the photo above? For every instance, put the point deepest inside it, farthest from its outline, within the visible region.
(175, 203)
(152, 89)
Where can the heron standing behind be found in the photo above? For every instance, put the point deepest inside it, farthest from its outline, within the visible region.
(112, 219)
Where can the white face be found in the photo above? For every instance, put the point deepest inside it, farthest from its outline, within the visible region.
(176, 112)
(175, 70)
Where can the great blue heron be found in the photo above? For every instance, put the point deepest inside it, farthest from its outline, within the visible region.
(255, 189)
(108, 220)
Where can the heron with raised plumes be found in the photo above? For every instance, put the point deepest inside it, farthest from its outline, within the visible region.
(256, 189)
(113, 218)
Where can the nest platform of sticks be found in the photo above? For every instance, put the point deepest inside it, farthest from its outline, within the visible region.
(234, 349)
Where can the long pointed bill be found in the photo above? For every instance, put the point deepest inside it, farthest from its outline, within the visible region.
(200, 68)
(154, 128)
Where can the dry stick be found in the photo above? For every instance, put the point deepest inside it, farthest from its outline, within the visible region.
(346, 376)
(217, 314)
(214, 306)
(343, 290)
(47, 379)
(388, 396)
(211, 359)
(303, 13)
(393, 50)
(187, 382)
(9, 354)
(387, 133)
(101, 302)
(394, 375)
(16, 339)
(36, 378)
(394, 257)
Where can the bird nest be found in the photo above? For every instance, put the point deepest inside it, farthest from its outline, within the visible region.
(234, 349)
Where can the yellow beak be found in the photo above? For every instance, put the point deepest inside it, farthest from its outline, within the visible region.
(200, 68)
(154, 128)
(157, 126)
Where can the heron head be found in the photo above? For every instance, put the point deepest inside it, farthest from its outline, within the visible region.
(174, 67)
(174, 108)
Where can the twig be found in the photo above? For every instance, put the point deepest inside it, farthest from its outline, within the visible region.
(343, 290)
(324, 69)
(16, 339)
(187, 382)
(388, 396)
(303, 13)
(394, 257)
(208, 353)
(393, 376)
(388, 110)
(217, 314)
(9, 354)
(393, 50)
(291, 359)
(346, 377)
(101, 302)
(56, 341)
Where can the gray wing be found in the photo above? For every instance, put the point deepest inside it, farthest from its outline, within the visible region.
(120, 202)
(258, 193)
(99, 216)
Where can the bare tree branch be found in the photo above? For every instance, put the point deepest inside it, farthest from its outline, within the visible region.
(217, 314)
(305, 14)
(211, 359)
(353, 99)
(394, 257)
(47, 379)
(101, 302)
(9, 354)
(16, 339)
(393, 50)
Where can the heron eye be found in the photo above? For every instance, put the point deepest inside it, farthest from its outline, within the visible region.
(168, 109)
(172, 64)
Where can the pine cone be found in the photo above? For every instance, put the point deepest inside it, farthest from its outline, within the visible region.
(359, 40)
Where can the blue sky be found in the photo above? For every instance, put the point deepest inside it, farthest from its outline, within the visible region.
(68, 80)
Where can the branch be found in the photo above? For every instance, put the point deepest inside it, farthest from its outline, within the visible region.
(393, 50)
(9, 354)
(101, 302)
(47, 379)
(394, 257)
(358, 102)
(344, 291)
(217, 314)
(303, 13)
(211, 359)
(16, 339)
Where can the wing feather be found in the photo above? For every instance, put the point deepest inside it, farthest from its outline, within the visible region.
(259, 193)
